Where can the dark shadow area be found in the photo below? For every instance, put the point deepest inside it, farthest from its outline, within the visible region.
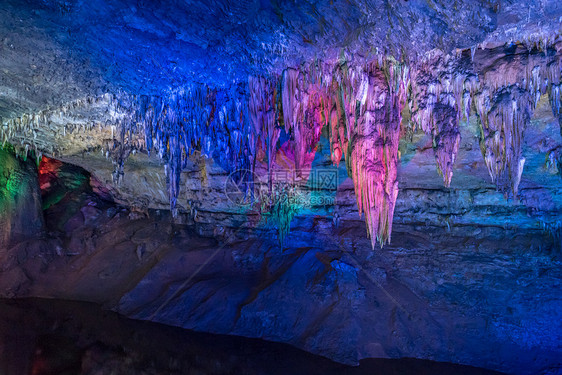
(48, 337)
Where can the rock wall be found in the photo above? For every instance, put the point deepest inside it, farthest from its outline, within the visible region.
(20, 199)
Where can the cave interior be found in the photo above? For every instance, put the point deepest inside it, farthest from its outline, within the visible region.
(280, 187)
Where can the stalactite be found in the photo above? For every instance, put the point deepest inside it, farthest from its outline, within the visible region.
(231, 131)
(216, 123)
(555, 100)
(300, 108)
(302, 111)
(441, 97)
(337, 124)
(446, 139)
(502, 121)
(368, 129)
(263, 116)
(360, 104)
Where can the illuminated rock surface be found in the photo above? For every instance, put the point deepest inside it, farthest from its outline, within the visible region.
(357, 179)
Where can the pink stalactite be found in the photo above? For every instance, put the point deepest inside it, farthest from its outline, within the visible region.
(302, 103)
(371, 119)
